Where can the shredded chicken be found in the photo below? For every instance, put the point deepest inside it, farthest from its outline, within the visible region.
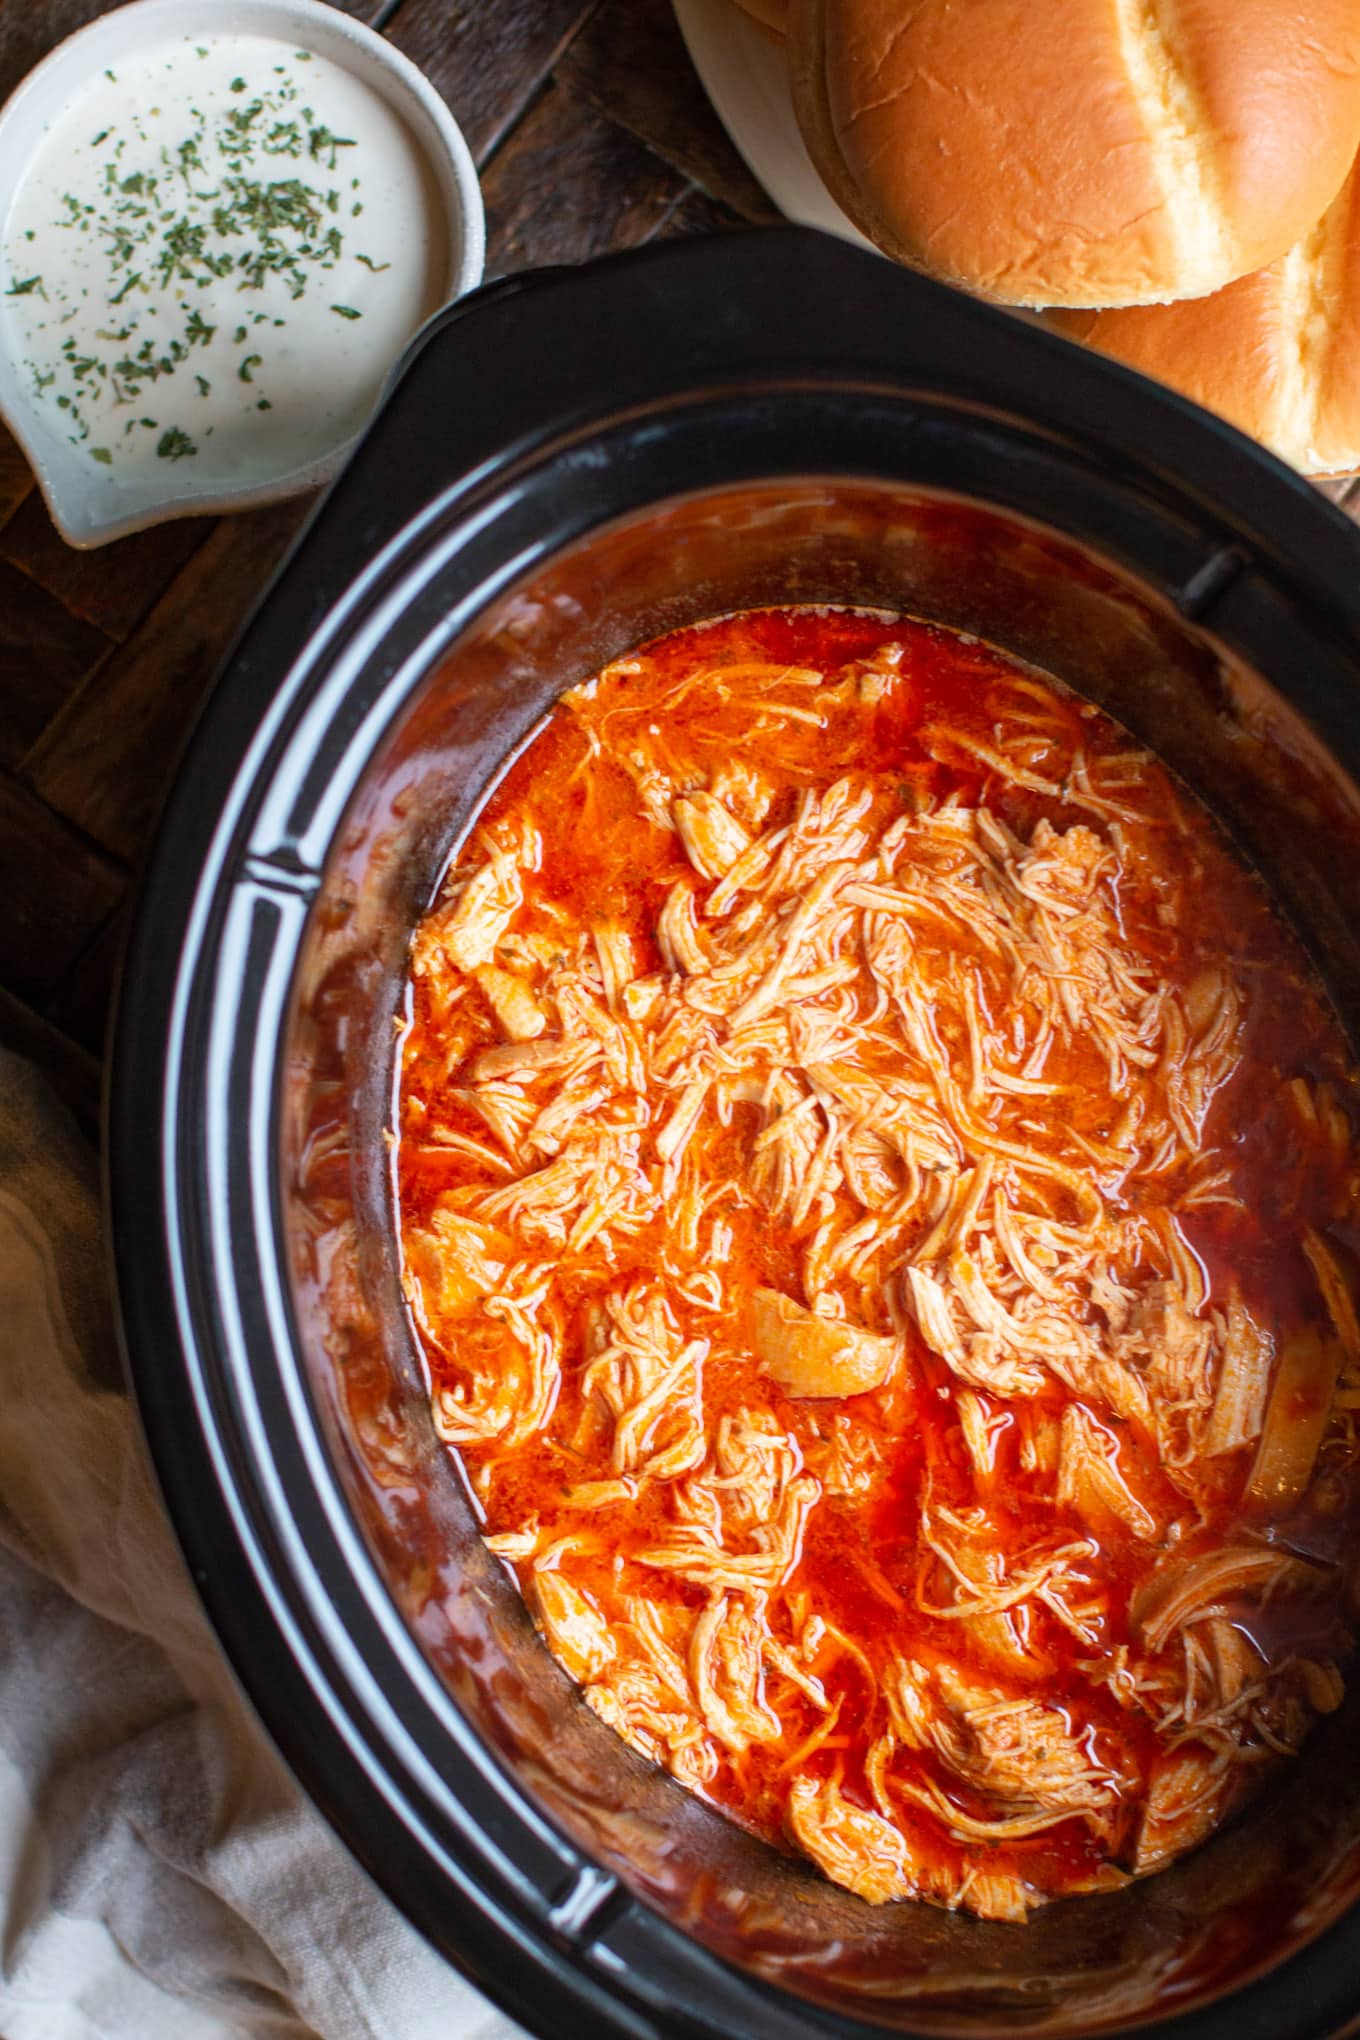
(1182, 1590)
(1188, 1795)
(575, 1628)
(861, 1850)
(1020, 1757)
(1091, 1477)
(889, 1298)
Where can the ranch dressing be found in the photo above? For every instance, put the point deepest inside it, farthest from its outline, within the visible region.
(217, 252)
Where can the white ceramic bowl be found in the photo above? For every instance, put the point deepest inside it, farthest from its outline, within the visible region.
(89, 505)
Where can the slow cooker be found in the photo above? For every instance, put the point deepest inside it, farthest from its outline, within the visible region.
(568, 463)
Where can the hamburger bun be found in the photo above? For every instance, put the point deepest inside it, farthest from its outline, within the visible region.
(772, 14)
(1082, 152)
(1277, 353)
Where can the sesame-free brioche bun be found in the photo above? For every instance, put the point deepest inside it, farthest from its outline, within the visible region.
(769, 13)
(1277, 353)
(1080, 152)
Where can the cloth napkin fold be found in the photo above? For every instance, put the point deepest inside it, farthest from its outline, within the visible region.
(161, 1876)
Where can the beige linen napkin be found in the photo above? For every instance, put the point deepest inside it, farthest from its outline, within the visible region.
(161, 1877)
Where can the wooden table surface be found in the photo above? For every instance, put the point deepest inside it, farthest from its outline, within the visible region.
(591, 133)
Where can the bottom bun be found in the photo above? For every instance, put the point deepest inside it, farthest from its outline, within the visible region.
(1276, 353)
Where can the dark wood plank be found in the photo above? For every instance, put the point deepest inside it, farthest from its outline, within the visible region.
(113, 586)
(489, 61)
(58, 891)
(105, 763)
(697, 213)
(72, 1071)
(16, 479)
(569, 184)
(630, 63)
(28, 30)
(45, 653)
(81, 1003)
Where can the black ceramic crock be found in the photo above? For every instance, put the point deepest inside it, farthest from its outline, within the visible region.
(567, 464)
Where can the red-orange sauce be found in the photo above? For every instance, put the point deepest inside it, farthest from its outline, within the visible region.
(1228, 1242)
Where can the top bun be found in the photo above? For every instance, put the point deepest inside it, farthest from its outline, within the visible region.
(1080, 152)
